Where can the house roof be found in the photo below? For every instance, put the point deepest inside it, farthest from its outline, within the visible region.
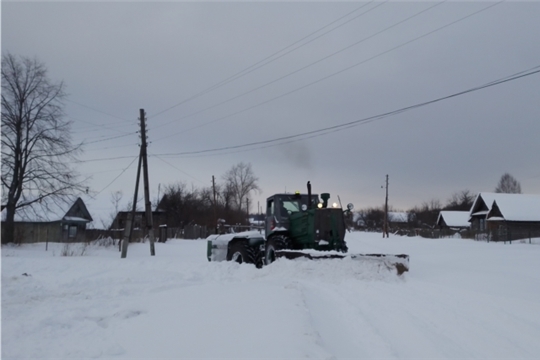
(519, 207)
(454, 218)
(482, 203)
(484, 200)
(398, 217)
(49, 211)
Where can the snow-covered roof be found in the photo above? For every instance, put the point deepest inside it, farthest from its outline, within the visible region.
(516, 207)
(75, 218)
(488, 199)
(398, 217)
(48, 211)
(454, 218)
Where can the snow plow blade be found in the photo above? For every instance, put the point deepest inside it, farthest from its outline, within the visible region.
(398, 262)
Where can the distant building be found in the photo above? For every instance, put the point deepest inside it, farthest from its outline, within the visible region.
(139, 221)
(257, 220)
(506, 216)
(51, 221)
(455, 220)
(398, 218)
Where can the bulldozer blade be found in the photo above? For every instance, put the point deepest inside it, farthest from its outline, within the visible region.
(398, 262)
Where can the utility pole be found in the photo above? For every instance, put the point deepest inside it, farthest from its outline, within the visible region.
(215, 210)
(147, 203)
(129, 221)
(385, 227)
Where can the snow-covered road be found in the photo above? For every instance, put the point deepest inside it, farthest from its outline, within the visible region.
(461, 299)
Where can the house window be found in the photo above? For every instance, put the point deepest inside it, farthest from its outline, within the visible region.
(72, 231)
(482, 224)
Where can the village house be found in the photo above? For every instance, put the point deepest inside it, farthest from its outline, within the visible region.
(139, 220)
(398, 220)
(51, 221)
(502, 217)
(453, 220)
(453, 223)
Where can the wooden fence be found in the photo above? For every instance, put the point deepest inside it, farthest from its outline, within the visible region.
(493, 236)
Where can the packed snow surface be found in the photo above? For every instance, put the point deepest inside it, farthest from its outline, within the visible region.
(461, 299)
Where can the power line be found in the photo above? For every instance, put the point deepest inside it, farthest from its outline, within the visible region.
(324, 131)
(97, 110)
(306, 66)
(171, 165)
(107, 139)
(96, 127)
(111, 147)
(104, 159)
(332, 74)
(254, 67)
(116, 178)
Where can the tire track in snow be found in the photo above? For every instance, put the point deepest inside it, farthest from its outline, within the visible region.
(340, 332)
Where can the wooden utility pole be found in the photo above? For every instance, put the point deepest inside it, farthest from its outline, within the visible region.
(385, 227)
(147, 203)
(215, 205)
(129, 221)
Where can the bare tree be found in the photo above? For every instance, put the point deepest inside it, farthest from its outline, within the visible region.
(508, 184)
(426, 214)
(241, 180)
(462, 200)
(116, 198)
(36, 140)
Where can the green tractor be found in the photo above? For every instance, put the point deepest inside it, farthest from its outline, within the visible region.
(296, 225)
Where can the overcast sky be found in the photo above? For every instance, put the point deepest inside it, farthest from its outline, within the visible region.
(317, 65)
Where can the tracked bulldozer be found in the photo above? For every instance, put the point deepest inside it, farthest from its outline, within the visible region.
(297, 226)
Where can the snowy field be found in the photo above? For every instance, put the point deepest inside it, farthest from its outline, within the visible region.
(461, 299)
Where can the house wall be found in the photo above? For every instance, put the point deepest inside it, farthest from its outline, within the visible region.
(158, 218)
(479, 224)
(35, 232)
(513, 230)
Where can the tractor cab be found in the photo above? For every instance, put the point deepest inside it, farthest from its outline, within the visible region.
(280, 207)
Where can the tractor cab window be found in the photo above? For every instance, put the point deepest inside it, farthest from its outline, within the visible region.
(270, 207)
(291, 206)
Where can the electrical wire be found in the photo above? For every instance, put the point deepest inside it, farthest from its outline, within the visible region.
(116, 178)
(111, 147)
(97, 110)
(306, 66)
(332, 74)
(104, 159)
(109, 138)
(324, 131)
(171, 165)
(255, 66)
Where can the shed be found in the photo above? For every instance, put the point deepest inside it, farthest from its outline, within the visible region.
(455, 220)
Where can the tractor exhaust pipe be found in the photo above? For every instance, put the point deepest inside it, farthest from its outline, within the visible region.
(309, 194)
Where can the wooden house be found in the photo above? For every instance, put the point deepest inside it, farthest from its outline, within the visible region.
(454, 220)
(53, 222)
(506, 216)
(139, 221)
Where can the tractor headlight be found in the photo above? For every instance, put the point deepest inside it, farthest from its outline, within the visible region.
(334, 205)
(319, 205)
